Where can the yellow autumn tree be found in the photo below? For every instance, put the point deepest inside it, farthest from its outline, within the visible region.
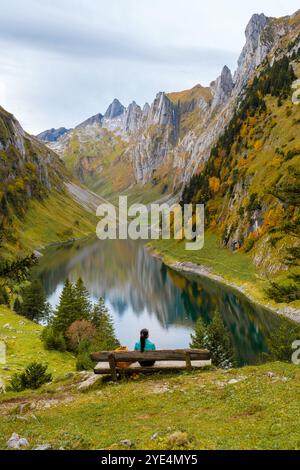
(214, 184)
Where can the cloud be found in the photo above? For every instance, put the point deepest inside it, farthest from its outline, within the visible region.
(78, 42)
(64, 60)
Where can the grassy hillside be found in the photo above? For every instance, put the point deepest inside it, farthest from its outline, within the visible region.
(187, 100)
(54, 219)
(22, 339)
(250, 184)
(95, 156)
(249, 408)
(233, 268)
(35, 208)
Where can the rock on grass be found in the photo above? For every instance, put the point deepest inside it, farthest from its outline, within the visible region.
(178, 439)
(17, 442)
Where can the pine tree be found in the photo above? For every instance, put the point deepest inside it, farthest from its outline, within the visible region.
(216, 339)
(280, 342)
(82, 298)
(105, 339)
(74, 304)
(219, 343)
(34, 305)
(4, 297)
(18, 306)
(66, 312)
(198, 338)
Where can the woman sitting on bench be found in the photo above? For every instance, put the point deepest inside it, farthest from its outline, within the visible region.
(145, 345)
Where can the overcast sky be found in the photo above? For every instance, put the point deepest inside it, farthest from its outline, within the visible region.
(62, 61)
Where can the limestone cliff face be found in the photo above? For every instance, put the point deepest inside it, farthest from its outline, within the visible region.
(263, 39)
(133, 118)
(179, 129)
(52, 135)
(222, 88)
(92, 121)
(255, 50)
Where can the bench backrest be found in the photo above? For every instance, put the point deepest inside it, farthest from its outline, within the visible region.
(162, 355)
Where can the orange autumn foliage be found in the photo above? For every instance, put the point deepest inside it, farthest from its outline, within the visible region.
(214, 184)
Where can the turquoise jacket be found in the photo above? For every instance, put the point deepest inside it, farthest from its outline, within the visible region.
(148, 346)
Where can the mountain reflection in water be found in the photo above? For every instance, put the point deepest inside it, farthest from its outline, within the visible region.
(141, 292)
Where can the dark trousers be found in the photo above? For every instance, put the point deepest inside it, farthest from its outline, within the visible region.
(146, 363)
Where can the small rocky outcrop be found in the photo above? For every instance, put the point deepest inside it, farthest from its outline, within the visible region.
(17, 442)
(114, 110)
(162, 111)
(92, 121)
(90, 381)
(222, 88)
(52, 135)
(132, 118)
(43, 447)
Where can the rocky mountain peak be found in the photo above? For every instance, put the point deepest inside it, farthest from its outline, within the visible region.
(162, 110)
(52, 135)
(114, 110)
(146, 110)
(93, 120)
(222, 88)
(254, 28)
(257, 46)
(132, 118)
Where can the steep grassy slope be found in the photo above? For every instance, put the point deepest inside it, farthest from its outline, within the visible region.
(91, 150)
(23, 343)
(188, 103)
(250, 184)
(35, 207)
(57, 219)
(249, 408)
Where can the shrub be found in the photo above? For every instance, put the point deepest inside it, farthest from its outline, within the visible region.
(53, 340)
(17, 306)
(33, 377)
(78, 331)
(84, 362)
(284, 292)
(248, 245)
(254, 204)
(4, 297)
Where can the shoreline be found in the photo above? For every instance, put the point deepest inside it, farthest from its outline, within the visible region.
(205, 271)
(38, 251)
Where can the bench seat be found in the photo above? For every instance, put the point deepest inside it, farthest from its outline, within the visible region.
(165, 360)
(104, 367)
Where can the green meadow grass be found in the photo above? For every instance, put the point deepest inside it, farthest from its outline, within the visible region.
(257, 410)
(23, 345)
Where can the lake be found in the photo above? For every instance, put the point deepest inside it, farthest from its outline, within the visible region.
(141, 292)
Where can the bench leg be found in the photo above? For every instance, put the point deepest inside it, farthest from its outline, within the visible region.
(112, 365)
(188, 361)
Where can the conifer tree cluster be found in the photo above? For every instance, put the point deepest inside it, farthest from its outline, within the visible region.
(216, 339)
(274, 80)
(33, 304)
(80, 326)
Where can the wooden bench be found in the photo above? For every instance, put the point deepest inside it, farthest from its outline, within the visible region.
(165, 360)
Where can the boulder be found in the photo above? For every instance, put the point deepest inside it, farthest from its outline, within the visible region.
(43, 447)
(89, 382)
(17, 442)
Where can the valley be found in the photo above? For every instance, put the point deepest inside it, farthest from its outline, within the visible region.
(232, 145)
